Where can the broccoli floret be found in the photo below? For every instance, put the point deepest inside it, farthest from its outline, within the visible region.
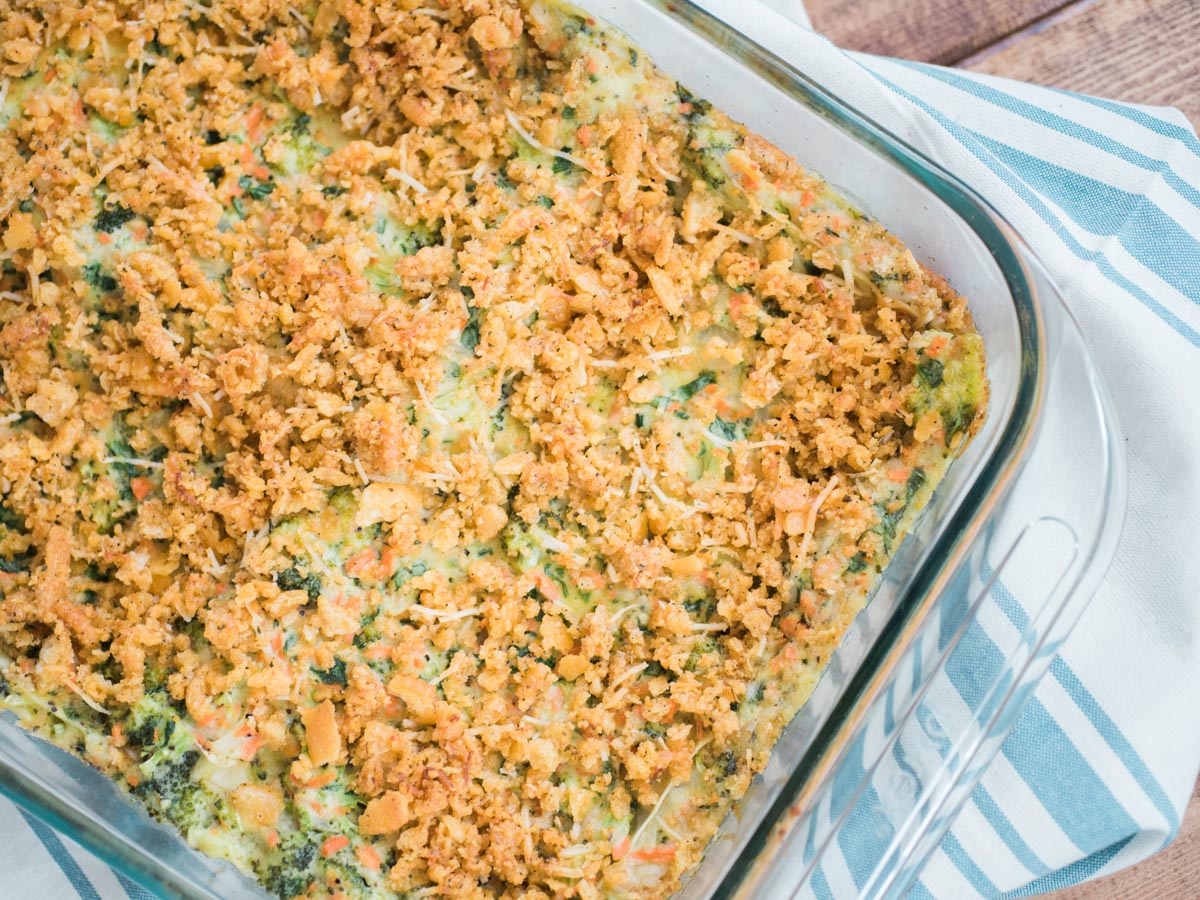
(151, 732)
(701, 649)
(291, 580)
(94, 274)
(194, 806)
(290, 874)
(169, 778)
(110, 218)
(368, 631)
(347, 878)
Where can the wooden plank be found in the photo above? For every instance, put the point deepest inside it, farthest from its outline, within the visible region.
(1145, 51)
(1171, 875)
(941, 31)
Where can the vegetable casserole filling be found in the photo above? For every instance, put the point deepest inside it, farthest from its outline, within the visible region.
(438, 452)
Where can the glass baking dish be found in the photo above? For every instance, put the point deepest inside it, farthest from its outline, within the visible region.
(867, 778)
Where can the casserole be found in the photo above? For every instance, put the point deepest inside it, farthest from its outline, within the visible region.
(1006, 438)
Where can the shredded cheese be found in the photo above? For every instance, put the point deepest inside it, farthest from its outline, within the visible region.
(537, 145)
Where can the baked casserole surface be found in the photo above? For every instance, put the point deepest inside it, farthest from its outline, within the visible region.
(438, 451)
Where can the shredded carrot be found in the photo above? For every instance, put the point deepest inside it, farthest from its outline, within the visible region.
(321, 780)
(899, 474)
(368, 857)
(661, 853)
(937, 345)
(272, 838)
(356, 565)
(620, 851)
(549, 587)
(334, 844)
(254, 119)
(250, 748)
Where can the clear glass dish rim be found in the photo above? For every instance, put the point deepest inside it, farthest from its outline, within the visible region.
(994, 476)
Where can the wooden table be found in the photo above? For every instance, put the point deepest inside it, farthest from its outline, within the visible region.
(1146, 51)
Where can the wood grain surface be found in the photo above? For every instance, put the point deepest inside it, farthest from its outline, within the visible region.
(1144, 51)
(940, 31)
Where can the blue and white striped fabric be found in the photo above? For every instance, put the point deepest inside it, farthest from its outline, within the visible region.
(1098, 771)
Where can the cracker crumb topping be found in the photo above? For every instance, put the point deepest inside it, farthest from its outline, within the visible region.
(438, 452)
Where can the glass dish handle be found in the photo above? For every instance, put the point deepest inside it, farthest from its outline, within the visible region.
(979, 653)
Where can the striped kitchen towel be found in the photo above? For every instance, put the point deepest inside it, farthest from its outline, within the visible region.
(1098, 771)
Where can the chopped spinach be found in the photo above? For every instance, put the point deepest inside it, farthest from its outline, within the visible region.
(697, 106)
(695, 386)
(470, 332)
(957, 418)
(335, 674)
(406, 573)
(916, 480)
(562, 166)
(930, 371)
(255, 189)
(723, 429)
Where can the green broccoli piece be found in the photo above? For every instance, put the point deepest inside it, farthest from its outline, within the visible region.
(291, 580)
(290, 873)
(110, 218)
(94, 274)
(256, 190)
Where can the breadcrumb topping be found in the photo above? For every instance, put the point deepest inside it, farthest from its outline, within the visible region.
(438, 452)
